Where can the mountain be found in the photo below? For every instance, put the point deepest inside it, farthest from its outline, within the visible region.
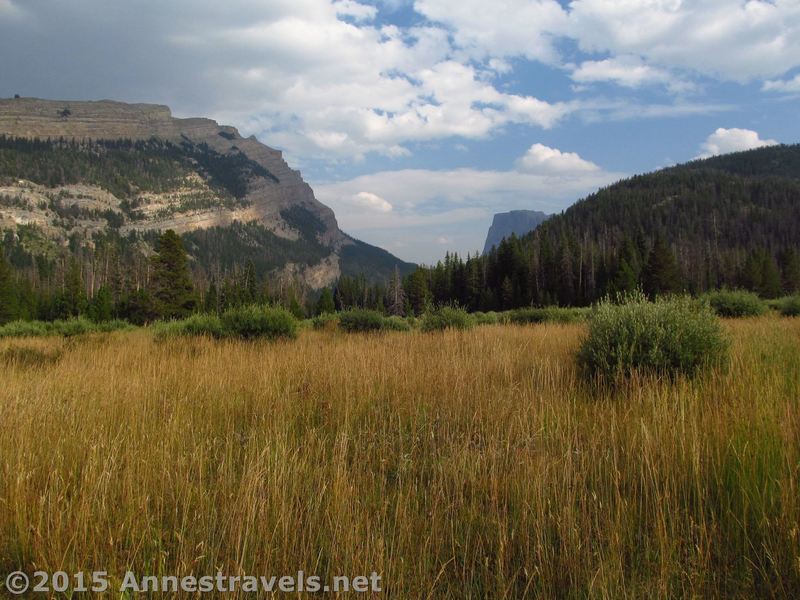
(517, 222)
(72, 173)
(731, 220)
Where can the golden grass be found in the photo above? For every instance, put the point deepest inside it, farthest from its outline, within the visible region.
(458, 465)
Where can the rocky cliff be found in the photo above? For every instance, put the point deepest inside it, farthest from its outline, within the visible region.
(195, 195)
(517, 222)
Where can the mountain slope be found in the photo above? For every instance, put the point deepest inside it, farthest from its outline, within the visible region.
(72, 171)
(516, 222)
(731, 220)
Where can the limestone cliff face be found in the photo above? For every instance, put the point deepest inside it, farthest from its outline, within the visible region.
(266, 198)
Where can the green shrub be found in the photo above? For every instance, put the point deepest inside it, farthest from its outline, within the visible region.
(550, 314)
(671, 336)
(482, 318)
(250, 322)
(396, 324)
(327, 321)
(24, 329)
(114, 325)
(446, 317)
(360, 320)
(71, 327)
(735, 303)
(790, 306)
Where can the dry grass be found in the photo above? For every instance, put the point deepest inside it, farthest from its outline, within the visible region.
(458, 465)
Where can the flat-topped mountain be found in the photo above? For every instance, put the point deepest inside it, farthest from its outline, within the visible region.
(514, 222)
(71, 171)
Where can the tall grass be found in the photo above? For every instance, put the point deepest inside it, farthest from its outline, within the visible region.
(468, 464)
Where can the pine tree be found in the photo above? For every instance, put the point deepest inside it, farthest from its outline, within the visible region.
(771, 286)
(790, 266)
(74, 298)
(418, 293)
(661, 274)
(9, 298)
(101, 307)
(325, 304)
(173, 291)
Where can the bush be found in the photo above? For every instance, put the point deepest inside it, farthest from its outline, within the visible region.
(24, 329)
(250, 322)
(550, 314)
(72, 327)
(327, 321)
(396, 323)
(446, 317)
(735, 303)
(482, 318)
(197, 324)
(671, 336)
(114, 325)
(790, 306)
(65, 328)
(360, 320)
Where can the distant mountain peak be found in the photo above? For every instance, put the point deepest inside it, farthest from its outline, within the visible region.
(516, 222)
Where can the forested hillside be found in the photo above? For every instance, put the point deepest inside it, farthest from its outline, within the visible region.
(731, 220)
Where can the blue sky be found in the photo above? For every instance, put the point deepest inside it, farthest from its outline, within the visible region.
(417, 120)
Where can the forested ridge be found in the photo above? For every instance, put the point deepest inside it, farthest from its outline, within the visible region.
(727, 221)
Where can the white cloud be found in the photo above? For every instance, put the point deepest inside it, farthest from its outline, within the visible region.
(731, 40)
(550, 161)
(648, 41)
(724, 141)
(338, 89)
(511, 28)
(789, 86)
(356, 10)
(372, 202)
(628, 71)
(458, 204)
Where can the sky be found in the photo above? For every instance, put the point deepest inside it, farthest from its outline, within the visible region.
(417, 120)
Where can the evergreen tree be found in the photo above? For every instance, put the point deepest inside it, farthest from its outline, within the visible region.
(790, 266)
(173, 291)
(9, 299)
(661, 274)
(325, 304)
(418, 293)
(74, 297)
(771, 286)
(101, 307)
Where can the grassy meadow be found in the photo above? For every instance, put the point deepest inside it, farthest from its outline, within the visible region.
(456, 464)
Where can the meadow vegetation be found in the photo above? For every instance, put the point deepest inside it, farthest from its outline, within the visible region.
(671, 336)
(736, 303)
(468, 464)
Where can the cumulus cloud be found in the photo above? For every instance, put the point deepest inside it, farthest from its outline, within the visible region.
(551, 161)
(329, 79)
(734, 41)
(724, 141)
(372, 202)
(511, 28)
